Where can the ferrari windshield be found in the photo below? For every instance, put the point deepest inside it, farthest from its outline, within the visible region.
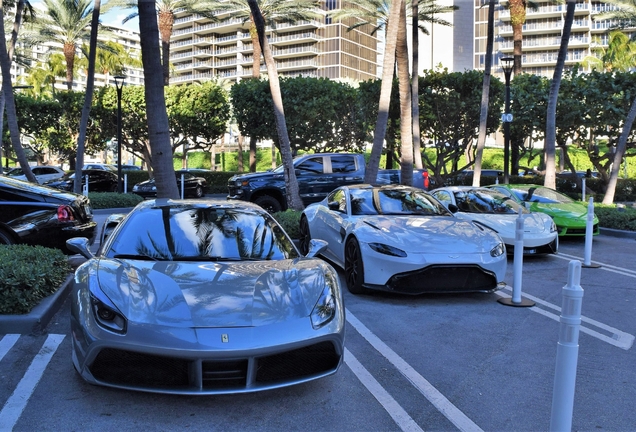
(189, 232)
(395, 201)
(486, 201)
(541, 195)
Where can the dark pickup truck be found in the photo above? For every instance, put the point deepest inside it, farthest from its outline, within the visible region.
(317, 175)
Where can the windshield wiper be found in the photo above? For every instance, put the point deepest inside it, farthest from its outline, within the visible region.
(135, 257)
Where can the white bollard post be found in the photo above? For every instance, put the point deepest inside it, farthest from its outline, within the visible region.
(182, 185)
(125, 183)
(517, 268)
(583, 189)
(589, 235)
(567, 352)
(85, 187)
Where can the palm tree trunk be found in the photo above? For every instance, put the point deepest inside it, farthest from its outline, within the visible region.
(517, 20)
(415, 89)
(404, 86)
(291, 184)
(166, 22)
(157, 117)
(88, 98)
(12, 118)
(550, 126)
(618, 156)
(373, 164)
(256, 50)
(485, 94)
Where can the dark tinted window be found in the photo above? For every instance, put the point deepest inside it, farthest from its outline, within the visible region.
(312, 165)
(362, 202)
(343, 164)
(409, 201)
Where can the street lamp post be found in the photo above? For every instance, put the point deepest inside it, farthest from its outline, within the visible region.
(119, 84)
(507, 64)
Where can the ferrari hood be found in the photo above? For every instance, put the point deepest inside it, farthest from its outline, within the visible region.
(212, 294)
(436, 234)
(563, 210)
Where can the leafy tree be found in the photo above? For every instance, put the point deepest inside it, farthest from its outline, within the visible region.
(450, 116)
(43, 76)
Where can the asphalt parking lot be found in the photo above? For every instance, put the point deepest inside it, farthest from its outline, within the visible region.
(430, 362)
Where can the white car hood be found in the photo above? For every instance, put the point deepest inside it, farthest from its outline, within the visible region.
(212, 294)
(507, 223)
(430, 234)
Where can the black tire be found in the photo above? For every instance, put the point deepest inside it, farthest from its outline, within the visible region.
(198, 192)
(305, 236)
(354, 268)
(5, 238)
(269, 203)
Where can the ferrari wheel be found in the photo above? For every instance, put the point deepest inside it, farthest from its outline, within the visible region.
(305, 236)
(354, 269)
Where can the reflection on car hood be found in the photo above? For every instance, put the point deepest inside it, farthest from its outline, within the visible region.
(435, 235)
(507, 223)
(569, 210)
(212, 294)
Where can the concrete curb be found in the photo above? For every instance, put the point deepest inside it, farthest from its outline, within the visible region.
(40, 315)
(618, 233)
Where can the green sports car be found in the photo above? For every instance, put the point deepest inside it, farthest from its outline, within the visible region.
(569, 216)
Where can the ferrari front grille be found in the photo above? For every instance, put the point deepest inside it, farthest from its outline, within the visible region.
(298, 363)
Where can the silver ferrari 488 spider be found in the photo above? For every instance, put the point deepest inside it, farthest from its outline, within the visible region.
(401, 239)
(203, 297)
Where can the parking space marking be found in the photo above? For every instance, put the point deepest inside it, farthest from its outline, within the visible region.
(399, 415)
(443, 405)
(6, 343)
(616, 337)
(604, 266)
(14, 406)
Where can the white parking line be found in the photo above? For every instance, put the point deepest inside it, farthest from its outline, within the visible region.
(604, 266)
(14, 406)
(450, 411)
(399, 415)
(7, 343)
(618, 338)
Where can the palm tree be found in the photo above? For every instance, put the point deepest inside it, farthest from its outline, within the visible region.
(110, 61)
(423, 11)
(274, 12)
(404, 83)
(157, 116)
(7, 89)
(518, 10)
(291, 184)
(46, 73)
(165, 11)
(88, 97)
(485, 93)
(550, 127)
(67, 23)
(620, 54)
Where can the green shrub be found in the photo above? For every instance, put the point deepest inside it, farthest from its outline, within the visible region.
(290, 221)
(28, 274)
(611, 216)
(103, 200)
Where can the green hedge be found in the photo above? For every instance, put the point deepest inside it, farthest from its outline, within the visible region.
(28, 274)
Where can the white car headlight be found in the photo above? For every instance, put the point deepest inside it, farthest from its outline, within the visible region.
(553, 227)
(498, 250)
(387, 250)
(325, 308)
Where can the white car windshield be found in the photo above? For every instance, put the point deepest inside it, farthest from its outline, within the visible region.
(486, 201)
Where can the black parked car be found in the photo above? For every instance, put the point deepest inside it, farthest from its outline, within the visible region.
(98, 181)
(38, 215)
(193, 186)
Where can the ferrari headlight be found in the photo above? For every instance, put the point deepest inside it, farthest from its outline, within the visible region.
(325, 308)
(498, 250)
(387, 250)
(107, 316)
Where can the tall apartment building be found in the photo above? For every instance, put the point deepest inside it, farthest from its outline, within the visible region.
(202, 49)
(542, 34)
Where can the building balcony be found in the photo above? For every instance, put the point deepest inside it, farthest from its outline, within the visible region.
(279, 40)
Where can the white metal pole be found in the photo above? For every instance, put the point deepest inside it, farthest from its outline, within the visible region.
(567, 352)
(518, 260)
(85, 188)
(125, 183)
(182, 185)
(589, 235)
(583, 189)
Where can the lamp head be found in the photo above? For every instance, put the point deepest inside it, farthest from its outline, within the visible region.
(119, 81)
(507, 63)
